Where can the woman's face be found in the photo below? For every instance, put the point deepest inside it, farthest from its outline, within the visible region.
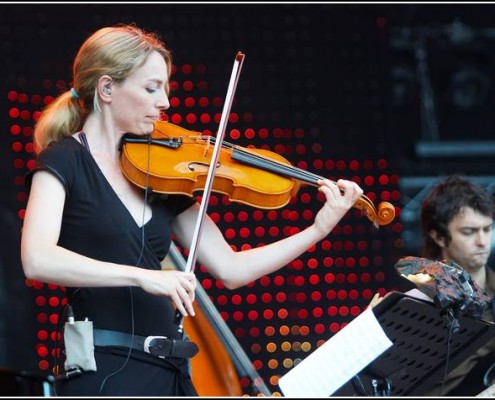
(138, 101)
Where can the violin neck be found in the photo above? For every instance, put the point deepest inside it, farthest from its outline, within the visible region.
(287, 170)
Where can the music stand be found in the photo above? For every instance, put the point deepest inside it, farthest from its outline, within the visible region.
(419, 331)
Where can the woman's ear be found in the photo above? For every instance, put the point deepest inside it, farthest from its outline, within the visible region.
(105, 88)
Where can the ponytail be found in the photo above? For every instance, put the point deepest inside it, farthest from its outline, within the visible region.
(61, 118)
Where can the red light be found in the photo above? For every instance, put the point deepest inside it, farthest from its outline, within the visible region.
(54, 301)
(43, 365)
(14, 112)
(203, 101)
(205, 118)
(235, 134)
(15, 129)
(313, 263)
(206, 283)
(279, 280)
(253, 315)
(332, 311)
(53, 319)
(273, 231)
(319, 329)
(272, 215)
(238, 316)
(281, 297)
(23, 98)
(317, 312)
(188, 86)
(42, 335)
(259, 231)
(254, 332)
(343, 311)
(355, 311)
(189, 102)
(191, 118)
(354, 165)
(301, 149)
(267, 314)
(350, 262)
(382, 164)
(265, 281)
(244, 233)
(176, 119)
(236, 299)
(301, 297)
(263, 133)
(315, 296)
(249, 133)
(12, 95)
(42, 351)
(186, 69)
(369, 180)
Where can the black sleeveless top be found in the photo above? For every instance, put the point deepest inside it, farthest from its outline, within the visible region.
(97, 224)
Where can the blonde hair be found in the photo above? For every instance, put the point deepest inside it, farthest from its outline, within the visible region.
(115, 51)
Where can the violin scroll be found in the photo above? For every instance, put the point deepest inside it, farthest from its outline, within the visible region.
(383, 216)
(386, 213)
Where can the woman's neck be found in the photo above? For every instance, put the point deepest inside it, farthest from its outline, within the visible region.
(102, 137)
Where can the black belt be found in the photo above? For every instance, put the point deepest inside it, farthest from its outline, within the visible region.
(159, 346)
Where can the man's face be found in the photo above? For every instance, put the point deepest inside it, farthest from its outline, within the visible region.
(471, 237)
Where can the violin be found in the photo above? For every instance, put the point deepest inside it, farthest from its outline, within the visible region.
(175, 160)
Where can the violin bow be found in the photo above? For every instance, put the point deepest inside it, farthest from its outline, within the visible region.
(191, 260)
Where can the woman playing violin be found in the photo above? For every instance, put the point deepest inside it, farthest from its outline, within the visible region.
(89, 229)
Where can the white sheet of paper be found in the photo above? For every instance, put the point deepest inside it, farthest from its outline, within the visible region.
(336, 361)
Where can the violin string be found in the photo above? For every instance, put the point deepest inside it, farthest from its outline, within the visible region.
(284, 169)
(294, 172)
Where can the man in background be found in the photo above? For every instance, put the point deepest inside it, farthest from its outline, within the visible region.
(457, 221)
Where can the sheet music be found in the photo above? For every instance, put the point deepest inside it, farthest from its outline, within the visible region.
(337, 360)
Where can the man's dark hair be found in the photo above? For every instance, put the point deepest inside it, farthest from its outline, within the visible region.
(444, 202)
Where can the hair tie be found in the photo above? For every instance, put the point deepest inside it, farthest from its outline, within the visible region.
(74, 94)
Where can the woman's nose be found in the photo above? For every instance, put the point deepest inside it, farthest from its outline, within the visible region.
(163, 101)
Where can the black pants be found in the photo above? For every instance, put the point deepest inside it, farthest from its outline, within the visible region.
(139, 375)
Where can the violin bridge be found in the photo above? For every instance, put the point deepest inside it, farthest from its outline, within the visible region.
(207, 147)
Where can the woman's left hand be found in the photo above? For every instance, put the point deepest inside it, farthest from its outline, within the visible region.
(340, 197)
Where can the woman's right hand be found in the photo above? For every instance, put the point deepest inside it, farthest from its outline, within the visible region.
(179, 286)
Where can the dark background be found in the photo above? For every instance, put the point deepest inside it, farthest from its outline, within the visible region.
(400, 91)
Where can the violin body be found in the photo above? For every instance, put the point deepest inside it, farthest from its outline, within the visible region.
(175, 160)
(182, 167)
